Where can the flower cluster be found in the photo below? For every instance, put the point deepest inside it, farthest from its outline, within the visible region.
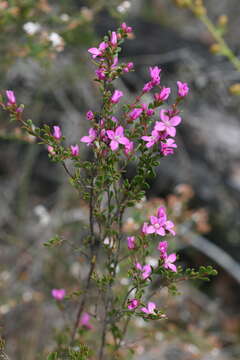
(168, 260)
(143, 132)
(108, 134)
(160, 226)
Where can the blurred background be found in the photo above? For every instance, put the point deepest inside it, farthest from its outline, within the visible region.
(44, 59)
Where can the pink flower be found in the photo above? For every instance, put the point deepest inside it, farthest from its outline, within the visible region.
(11, 97)
(126, 29)
(92, 134)
(183, 89)
(98, 51)
(144, 228)
(117, 137)
(169, 225)
(129, 148)
(168, 262)
(159, 224)
(90, 115)
(84, 321)
(155, 75)
(58, 294)
(151, 140)
(168, 123)
(113, 38)
(150, 112)
(74, 150)
(149, 309)
(162, 247)
(51, 150)
(100, 73)
(167, 147)
(131, 242)
(145, 270)
(128, 67)
(116, 96)
(57, 133)
(135, 113)
(133, 304)
(163, 95)
(148, 87)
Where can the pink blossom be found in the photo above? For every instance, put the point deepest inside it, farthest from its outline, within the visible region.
(151, 140)
(51, 150)
(90, 115)
(133, 304)
(131, 242)
(129, 148)
(155, 75)
(98, 51)
(57, 133)
(169, 225)
(183, 89)
(74, 150)
(103, 136)
(11, 97)
(168, 123)
(113, 38)
(162, 246)
(128, 67)
(144, 228)
(163, 95)
(125, 28)
(168, 262)
(148, 87)
(168, 146)
(85, 321)
(116, 96)
(20, 109)
(135, 113)
(92, 134)
(117, 137)
(58, 294)
(159, 224)
(100, 73)
(151, 306)
(115, 62)
(150, 112)
(146, 270)
(161, 213)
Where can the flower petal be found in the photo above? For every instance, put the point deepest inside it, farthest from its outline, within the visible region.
(174, 121)
(151, 307)
(114, 145)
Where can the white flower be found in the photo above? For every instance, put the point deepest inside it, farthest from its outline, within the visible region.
(43, 215)
(64, 17)
(124, 6)
(31, 28)
(56, 40)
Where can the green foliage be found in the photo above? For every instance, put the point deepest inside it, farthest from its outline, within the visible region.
(54, 242)
(81, 353)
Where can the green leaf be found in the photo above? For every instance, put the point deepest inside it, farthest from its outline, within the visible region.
(52, 356)
(53, 242)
